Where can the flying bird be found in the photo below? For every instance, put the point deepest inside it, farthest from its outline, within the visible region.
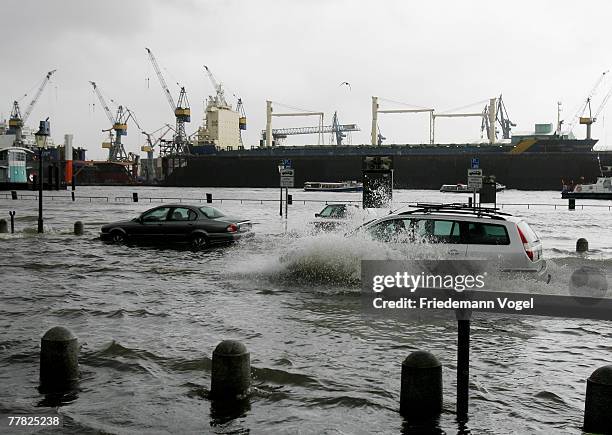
(346, 83)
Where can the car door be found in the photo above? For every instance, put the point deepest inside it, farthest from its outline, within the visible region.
(391, 230)
(446, 232)
(152, 224)
(181, 223)
(489, 241)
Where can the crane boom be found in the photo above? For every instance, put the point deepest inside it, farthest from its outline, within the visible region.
(603, 104)
(218, 88)
(37, 96)
(103, 102)
(161, 80)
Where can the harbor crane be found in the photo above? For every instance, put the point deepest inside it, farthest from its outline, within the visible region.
(592, 117)
(182, 112)
(376, 137)
(268, 132)
(16, 121)
(587, 104)
(501, 118)
(219, 99)
(116, 151)
(150, 147)
(488, 116)
(337, 130)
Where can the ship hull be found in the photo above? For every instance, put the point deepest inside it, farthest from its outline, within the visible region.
(526, 171)
(586, 195)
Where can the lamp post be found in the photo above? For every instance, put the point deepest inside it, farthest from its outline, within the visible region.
(41, 142)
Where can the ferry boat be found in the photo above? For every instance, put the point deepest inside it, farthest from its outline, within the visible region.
(601, 189)
(463, 188)
(343, 186)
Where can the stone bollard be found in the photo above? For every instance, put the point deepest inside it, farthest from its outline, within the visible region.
(209, 198)
(3, 226)
(135, 196)
(78, 228)
(421, 386)
(231, 371)
(571, 204)
(59, 366)
(598, 401)
(582, 245)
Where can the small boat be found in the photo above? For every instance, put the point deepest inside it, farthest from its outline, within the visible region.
(601, 189)
(463, 188)
(343, 186)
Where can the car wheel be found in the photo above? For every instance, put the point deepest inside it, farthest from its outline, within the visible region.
(117, 237)
(199, 241)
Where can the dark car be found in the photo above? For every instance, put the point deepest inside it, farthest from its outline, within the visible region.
(338, 216)
(334, 211)
(199, 226)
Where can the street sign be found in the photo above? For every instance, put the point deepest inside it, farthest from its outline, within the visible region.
(475, 163)
(286, 163)
(286, 178)
(474, 177)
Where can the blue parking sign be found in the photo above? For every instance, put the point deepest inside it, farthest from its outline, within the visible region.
(288, 164)
(475, 163)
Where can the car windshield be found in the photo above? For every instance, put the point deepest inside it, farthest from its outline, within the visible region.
(211, 212)
(333, 211)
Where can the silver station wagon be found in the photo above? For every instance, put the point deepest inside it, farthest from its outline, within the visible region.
(465, 232)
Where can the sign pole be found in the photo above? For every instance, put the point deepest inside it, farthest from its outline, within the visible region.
(281, 202)
(286, 202)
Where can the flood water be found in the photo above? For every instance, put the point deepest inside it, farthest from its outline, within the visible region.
(148, 319)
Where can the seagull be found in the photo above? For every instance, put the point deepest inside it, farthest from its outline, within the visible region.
(346, 83)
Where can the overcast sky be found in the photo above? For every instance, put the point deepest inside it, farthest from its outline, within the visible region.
(439, 54)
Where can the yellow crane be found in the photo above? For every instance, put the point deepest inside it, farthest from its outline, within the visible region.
(116, 151)
(179, 144)
(16, 121)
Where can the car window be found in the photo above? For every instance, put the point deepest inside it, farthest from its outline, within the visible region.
(326, 212)
(211, 212)
(487, 234)
(338, 211)
(183, 214)
(156, 215)
(391, 230)
(437, 231)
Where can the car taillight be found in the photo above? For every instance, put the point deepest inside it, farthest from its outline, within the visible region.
(232, 228)
(525, 243)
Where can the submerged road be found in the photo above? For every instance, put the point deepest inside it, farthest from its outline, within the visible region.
(148, 320)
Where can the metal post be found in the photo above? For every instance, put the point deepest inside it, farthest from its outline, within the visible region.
(463, 368)
(286, 202)
(281, 202)
(40, 190)
(12, 215)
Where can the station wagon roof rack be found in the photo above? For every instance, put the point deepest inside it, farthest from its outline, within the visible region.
(459, 208)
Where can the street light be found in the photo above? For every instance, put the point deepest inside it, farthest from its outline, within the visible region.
(41, 142)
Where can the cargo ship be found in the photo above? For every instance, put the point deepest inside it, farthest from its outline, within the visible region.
(534, 160)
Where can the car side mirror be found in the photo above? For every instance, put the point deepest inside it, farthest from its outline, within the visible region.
(317, 214)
